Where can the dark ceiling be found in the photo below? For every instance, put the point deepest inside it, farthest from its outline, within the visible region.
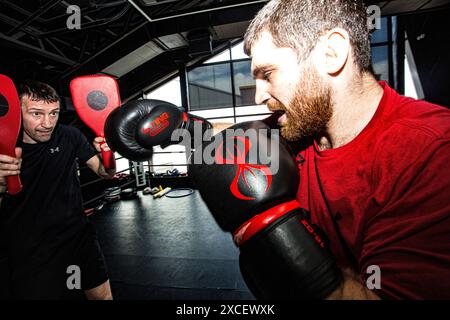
(140, 42)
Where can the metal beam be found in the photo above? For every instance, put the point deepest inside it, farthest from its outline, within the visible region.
(74, 68)
(147, 31)
(36, 50)
(68, 45)
(34, 16)
(83, 47)
(13, 22)
(20, 9)
(55, 47)
(194, 12)
(94, 24)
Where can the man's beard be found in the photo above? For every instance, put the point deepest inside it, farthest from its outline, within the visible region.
(310, 110)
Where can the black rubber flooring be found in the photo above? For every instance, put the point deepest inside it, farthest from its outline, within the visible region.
(168, 249)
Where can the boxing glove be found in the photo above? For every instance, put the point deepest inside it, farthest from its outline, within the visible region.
(136, 127)
(250, 189)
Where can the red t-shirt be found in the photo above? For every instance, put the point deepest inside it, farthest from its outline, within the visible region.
(388, 192)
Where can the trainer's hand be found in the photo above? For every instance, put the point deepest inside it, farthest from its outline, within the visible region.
(10, 166)
(100, 144)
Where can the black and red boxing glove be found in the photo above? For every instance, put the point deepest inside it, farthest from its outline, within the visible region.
(250, 188)
(136, 127)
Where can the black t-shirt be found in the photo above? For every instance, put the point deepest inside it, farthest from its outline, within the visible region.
(48, 212)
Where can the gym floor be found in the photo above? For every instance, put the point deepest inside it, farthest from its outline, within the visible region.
(168, 249)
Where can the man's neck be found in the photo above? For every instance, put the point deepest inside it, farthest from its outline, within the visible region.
(354, 105)
(27, 139)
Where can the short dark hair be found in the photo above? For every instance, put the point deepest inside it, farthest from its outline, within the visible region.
(37, 91)
(298, 24)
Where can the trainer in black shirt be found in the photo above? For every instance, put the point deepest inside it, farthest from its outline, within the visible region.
(43, 231)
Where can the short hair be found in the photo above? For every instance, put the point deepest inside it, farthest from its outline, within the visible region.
(298, 24)
(37, 91)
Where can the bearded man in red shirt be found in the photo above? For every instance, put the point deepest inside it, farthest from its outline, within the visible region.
(374, 165)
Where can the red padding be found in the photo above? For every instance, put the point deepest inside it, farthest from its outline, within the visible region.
(10, 120)
(94, 98)
(261, 221)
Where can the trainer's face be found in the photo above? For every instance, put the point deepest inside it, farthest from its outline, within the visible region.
(39, 119)
(293, 89)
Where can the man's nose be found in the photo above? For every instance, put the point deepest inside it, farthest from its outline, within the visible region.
(47, 122)
(261, 95)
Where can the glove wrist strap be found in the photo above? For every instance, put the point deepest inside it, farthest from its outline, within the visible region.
(261, 221)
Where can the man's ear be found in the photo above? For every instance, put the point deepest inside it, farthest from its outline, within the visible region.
(337, 50)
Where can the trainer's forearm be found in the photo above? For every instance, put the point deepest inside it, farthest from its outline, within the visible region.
(351, 288)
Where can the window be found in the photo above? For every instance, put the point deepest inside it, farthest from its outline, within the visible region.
(222, 82)
(381, 35)
(380, 62)
(244, 84)
(382, 50)
(210, 86)
(169, 92)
